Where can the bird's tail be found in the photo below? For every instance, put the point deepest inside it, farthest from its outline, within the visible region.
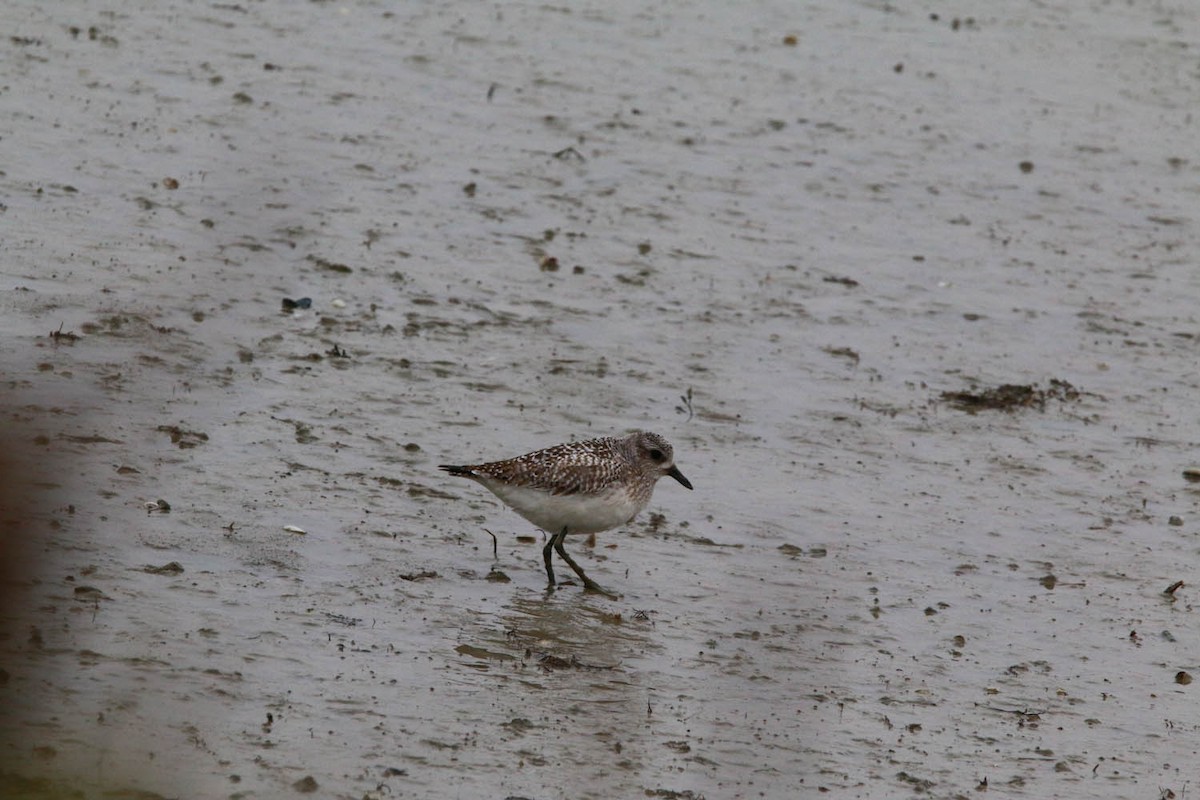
(465, 472)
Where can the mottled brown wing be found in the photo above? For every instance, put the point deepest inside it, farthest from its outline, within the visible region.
(565, 469)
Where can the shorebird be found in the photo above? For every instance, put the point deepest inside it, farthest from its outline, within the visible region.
(578, 487)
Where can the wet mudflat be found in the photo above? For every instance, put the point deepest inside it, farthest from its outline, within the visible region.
(913, 296)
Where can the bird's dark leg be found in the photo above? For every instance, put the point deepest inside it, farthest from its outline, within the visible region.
(588, 584)
(547, 555)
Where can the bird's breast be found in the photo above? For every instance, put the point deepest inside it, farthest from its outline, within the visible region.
(579, 513)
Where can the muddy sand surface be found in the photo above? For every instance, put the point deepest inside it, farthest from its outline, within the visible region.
(912, 292)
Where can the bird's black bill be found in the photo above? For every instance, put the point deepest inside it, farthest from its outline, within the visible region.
(677, 475)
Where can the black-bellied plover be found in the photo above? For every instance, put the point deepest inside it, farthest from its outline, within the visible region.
(579, 487)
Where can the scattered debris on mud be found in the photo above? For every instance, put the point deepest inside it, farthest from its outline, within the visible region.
(70, 337)
(172, 568)
(424, 574)
(185, 439)
(1011, 396)
(549, 663)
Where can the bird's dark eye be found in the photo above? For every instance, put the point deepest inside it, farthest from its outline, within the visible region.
(657, 455)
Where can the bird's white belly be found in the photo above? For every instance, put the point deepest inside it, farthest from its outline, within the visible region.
(580, 513)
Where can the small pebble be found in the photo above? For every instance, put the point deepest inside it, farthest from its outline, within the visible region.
(294, 529)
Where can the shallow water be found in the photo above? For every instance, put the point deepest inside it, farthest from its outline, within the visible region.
(524, 224)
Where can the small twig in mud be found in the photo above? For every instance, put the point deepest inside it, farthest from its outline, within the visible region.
(1173, 588)
(843, 352)
(568, 153)
(686, 408)
(495, 544)
(1025, 714)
